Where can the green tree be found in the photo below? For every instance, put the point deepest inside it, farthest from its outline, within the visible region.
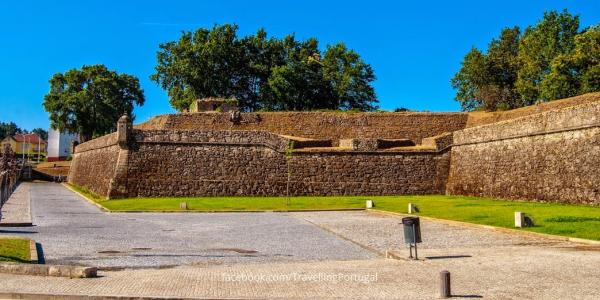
(577, 72)
(551, 60)
(350, 77)
(553, 36)
(41, 133)
(262, 73)
(90, 100)
(468, 81)
(487, 80)
(299, 84)
(9, 129)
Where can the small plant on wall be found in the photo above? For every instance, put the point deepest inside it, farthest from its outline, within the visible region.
(288, 157)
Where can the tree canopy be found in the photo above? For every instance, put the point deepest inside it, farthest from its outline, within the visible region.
(90, 100)
(42, 133)
(9, 129)
(263, 73)
(549, 60)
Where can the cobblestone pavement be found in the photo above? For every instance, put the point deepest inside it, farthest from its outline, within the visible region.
(484, 263)
(73, 231)
(520, 272)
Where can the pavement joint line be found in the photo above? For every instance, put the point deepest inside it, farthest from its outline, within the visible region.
(501, 229)
(366, 247)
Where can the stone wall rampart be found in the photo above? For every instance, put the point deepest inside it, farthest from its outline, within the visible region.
(319, 125)
(97, 143)
(551, 156)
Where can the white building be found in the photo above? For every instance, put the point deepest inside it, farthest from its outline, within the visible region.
(59, 144)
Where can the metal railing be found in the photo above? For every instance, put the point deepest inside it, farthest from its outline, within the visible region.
(10, 173)
(8, 182)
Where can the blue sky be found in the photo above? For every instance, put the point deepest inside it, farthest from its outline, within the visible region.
(415, 47)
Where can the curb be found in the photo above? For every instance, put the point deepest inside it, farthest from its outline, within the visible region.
(49, 270)
(33, 255)
(502, 229)
(19, 224)
(232, 211)
(85, 197)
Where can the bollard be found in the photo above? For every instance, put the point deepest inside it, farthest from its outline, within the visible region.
(370, 204)
(183, 205)
(445, 285)
(519, 219)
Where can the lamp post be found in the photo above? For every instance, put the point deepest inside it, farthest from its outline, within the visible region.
(39, 146)
(23, 151)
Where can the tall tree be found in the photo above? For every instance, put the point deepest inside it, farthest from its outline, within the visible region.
(551, 60)
(262, 73)
(487, 80)
(553, 36)
(41, 133)
(9, 129)
(350, 78)
(299, 84)
(577, 72)
(90, 100)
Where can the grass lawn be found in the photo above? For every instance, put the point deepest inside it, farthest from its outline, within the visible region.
(566, 220)
(14, 250)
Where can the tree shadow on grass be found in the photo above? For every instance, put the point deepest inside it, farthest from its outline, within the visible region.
(9, 258)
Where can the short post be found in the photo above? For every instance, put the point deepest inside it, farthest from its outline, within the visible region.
(183, 205)
(519, 219)
(370, 204)
(445, 285)
(412, 208)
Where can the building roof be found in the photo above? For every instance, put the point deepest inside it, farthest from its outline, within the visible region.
(28, 138)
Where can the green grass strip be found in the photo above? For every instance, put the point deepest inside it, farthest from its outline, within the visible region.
(14, 250)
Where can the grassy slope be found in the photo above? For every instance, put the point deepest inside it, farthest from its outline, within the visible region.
(566, 220)
(14, 250)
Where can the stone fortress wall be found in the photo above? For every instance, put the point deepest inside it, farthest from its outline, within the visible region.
(550, 156)
(545, 152)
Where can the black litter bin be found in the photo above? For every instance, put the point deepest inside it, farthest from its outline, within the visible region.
(412, 230)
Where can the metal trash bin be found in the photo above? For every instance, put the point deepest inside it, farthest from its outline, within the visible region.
(412, 233)
(412, 230)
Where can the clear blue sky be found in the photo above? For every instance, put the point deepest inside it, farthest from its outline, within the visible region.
(414, 47)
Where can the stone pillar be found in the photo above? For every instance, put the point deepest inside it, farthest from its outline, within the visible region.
(124, 129)
(118, 185)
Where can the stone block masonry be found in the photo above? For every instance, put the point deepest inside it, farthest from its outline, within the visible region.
(552, 156)
(546, 153)
(320, 125)
(222, 163)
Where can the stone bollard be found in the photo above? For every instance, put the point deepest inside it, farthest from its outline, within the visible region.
(519, 219)
(412, 208)
(370, 204)
(183, 205)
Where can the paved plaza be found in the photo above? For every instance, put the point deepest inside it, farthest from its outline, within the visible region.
(73, 231)
(290, 255)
